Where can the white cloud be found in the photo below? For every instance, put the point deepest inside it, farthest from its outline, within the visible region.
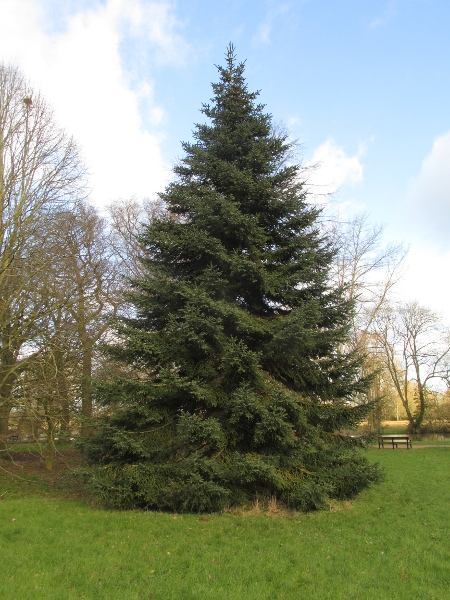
(389, 13)
(428, 198)
(83, 74)
(156, 25)
(426, 280)
(330, 168)
(264, 30)
(294, 121)
(263, 33)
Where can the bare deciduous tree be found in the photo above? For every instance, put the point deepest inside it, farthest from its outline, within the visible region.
(367, 267)
(128, 218)
(415, 347)
(40, 170)
(369, 270)
(91, 287)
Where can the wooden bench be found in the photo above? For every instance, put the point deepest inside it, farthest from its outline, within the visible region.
(393, 441)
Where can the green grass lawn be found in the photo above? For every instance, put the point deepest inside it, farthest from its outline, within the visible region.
(391, 542)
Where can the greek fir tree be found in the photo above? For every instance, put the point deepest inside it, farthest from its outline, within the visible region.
(232, 380)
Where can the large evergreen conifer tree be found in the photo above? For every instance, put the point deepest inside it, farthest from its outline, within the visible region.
(237, 383)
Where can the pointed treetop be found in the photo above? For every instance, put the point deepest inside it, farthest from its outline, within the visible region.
(230, 56)
(233, 71)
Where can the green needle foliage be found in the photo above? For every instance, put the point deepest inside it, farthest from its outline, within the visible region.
(235, 380)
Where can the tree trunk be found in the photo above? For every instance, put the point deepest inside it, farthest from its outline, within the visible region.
(7, 378)
(63, 391)
(64, 428)
(86, 389)
(50, 448)
(5, 410)
(410, 416)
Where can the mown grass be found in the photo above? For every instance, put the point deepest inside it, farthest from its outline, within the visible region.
(391, 542)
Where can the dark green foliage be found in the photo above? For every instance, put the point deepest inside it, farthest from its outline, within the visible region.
(238, 381)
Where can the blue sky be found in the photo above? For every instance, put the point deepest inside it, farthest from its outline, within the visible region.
(363, 85)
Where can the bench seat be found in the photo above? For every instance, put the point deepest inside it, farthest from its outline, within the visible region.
(393, 441)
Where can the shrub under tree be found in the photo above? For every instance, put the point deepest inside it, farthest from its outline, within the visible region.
(232, 381)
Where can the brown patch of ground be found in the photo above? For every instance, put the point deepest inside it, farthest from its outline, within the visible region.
(25, 470)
